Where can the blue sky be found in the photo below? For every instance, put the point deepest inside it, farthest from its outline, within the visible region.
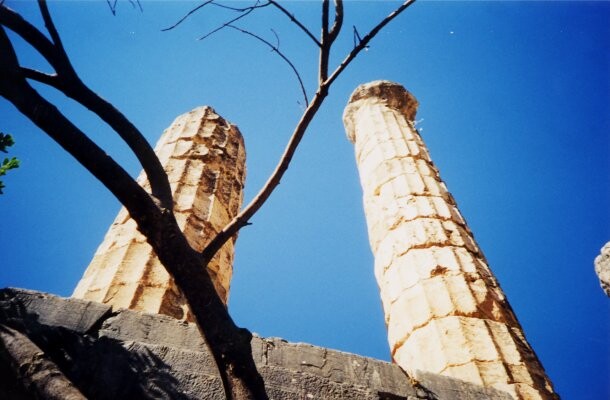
(514, 107)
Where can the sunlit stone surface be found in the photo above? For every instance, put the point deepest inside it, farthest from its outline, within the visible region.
(204, 158)
(444, 310)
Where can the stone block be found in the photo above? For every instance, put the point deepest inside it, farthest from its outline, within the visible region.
(74, 314)
(130, 354)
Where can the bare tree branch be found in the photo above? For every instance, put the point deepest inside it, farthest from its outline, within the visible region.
(112, 6)
(364, 42)
(278, 52)
(245, 10)
(325, 45)
(226, 24)
(229, 344)
(296, 22)
(71, 85)
(240, 9)
(57, 43)
(188, 14)
(338, 22)
(30, 34)
(42, 77)
(243, 218)
(15, 88)
(135, 3)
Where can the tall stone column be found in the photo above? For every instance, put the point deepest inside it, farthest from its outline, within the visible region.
(444, 310)
(204, 157)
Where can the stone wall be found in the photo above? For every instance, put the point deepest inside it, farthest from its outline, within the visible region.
(126, 354)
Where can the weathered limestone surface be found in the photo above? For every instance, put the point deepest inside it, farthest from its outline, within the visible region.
(602, 268)
(204, 157)
(132, 355)
(444, 310)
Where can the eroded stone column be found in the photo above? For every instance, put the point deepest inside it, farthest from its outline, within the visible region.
(204, 157)
(444, 310)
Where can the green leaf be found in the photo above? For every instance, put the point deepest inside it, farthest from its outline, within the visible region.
(6, 140)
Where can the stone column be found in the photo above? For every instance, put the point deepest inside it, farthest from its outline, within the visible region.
(204, 157)
(444, 310)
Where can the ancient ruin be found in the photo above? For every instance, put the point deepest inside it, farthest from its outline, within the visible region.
(444, 310)
(204, 157)
(602, 268)
(445, 313)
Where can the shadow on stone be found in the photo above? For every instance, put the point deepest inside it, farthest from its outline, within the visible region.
(101, 368)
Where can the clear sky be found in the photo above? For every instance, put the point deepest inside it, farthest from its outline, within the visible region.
(514, 107)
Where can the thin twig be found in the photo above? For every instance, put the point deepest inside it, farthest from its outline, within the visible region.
(226, 24)
(112, 6)
(246, 10)
(279, 53)
(136, 2)
(277, 38)
(365, 40)
(296, 22)
(188, 14)
(226, 7)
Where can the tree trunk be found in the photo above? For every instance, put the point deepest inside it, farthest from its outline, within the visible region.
(39, 376)
(229, 344)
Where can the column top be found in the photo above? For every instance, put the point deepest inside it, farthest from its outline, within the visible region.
(382, 92)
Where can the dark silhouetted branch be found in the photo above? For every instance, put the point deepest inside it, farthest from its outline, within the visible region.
(226, 24)
(243, 10)
(30, 34)
(42, 77)
(325, 45)
(68, 82)
(243, 218)
(295, 21)
(338, 22)
(188, 14)
(365, 40)
(15, 88)
(279, 53)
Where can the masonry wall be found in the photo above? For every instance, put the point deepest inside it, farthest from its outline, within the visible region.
(126, 354)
